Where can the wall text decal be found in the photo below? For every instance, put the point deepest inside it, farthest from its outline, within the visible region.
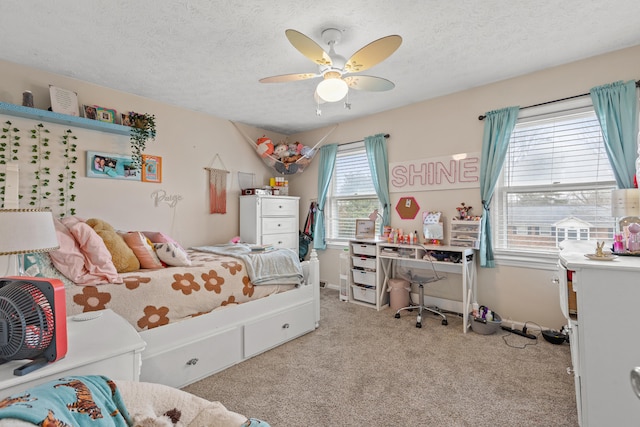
(162, 196)
(437, 173)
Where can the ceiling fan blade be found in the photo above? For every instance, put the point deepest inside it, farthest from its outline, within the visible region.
(288, 78)
(308, 47)
(372, 54)
(370, 83)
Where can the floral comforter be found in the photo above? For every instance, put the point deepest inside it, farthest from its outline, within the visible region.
(151, 298)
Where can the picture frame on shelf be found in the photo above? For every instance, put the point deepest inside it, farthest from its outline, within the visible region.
(151, 168)
(64, 101)
(90, 112)
(125, 119)
(105, 114)
(111, 166)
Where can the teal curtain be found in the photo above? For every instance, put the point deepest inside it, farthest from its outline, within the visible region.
(498, 126)
(325, 172)
(376, 149)
(616, 106)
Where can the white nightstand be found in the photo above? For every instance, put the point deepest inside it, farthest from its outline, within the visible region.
(106, 345)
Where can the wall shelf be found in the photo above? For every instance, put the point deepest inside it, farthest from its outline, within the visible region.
(63, 119)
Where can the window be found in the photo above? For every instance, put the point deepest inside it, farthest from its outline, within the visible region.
(556, 184)
(351, 194)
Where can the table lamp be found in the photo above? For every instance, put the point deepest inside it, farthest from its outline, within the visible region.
(24, 231)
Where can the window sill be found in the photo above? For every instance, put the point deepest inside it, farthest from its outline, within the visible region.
(533, 260)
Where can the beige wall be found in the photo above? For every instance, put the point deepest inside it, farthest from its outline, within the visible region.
(450, 125)
(189, 141)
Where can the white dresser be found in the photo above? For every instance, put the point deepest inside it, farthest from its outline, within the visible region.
(604, 340)
(270, 220)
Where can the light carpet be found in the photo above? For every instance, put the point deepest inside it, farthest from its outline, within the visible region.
(363, 367)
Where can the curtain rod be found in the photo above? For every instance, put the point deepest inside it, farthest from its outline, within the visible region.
(386, 135)
(556, 100)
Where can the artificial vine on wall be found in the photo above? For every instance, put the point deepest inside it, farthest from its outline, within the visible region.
(9, 148)
(40, 152)
(67, 178)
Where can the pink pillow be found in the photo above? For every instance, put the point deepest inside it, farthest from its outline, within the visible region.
(158, 237)
(144, 251)
(97, 256)
(71, 261)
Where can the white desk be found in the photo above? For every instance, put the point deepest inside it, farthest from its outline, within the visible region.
(106, 345)
(413, 255)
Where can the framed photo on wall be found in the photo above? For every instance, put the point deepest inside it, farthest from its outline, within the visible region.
(151, 168)
(111, 166)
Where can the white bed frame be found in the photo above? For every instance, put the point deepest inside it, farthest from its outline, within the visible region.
(181, 353)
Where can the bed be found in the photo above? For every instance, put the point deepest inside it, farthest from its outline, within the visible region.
(202, 318)
(116, 402)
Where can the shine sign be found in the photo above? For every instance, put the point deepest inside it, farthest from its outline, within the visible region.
(438, 173)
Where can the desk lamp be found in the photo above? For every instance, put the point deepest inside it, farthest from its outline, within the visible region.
(24, 231)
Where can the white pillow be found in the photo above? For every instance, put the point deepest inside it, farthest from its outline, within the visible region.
(172, 254)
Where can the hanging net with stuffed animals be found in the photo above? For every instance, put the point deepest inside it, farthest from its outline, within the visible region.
(284, 157)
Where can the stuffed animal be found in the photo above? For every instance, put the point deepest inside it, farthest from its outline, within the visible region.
(307, 152)
(123, 257)
(281, 150)
(264, 146)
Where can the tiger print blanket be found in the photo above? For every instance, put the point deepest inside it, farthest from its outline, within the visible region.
(78, 401)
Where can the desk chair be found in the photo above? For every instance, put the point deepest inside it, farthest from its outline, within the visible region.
(420, 306)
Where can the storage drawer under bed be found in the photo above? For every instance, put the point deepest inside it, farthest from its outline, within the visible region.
(271, 331)
(195, 360)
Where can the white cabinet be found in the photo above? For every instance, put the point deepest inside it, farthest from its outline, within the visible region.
(464, 233)
(363, 279)
(270, 220)
(604, 343)
(106, 345)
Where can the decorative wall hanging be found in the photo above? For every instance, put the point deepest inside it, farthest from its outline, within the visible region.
(40, 152)
(111, 166)
(285, 158)
(151, 168)
(407, 207)
(67, 178)
(217, 187)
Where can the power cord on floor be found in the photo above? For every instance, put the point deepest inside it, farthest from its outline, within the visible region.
(524, 331)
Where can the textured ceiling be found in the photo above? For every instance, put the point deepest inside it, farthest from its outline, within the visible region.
(208, 55)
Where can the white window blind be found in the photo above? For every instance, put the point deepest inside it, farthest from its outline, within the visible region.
(351, 194)
(556, 184)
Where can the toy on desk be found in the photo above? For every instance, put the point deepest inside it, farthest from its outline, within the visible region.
(599, 251)
(464, 211)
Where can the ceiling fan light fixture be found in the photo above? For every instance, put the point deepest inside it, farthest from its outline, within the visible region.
(332, 89)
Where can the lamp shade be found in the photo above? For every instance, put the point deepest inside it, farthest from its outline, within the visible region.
(24, 231)
(332, 89)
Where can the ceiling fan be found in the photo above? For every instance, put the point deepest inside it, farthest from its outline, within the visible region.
(333, 67)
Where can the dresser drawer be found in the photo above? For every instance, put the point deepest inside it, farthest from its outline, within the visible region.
(268, 332)
(363, 249)
(274, 225)
(279, 207)
(286, 240)
(193, 361)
